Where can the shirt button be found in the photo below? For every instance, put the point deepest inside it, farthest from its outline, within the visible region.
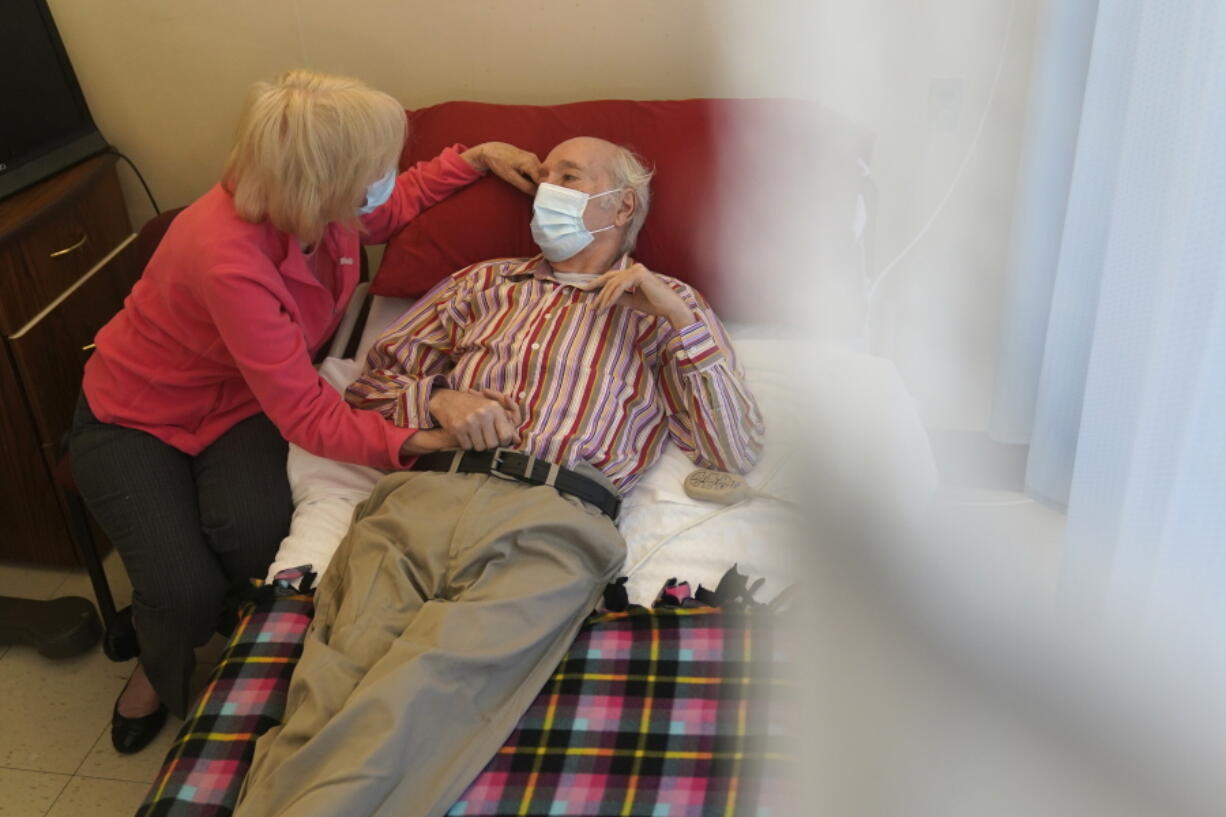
(536, 346)
(522, 395)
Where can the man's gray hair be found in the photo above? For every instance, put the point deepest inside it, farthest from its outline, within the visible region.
(629, 171)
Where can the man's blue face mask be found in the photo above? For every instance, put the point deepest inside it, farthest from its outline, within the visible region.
(557, 220)
(378, 193)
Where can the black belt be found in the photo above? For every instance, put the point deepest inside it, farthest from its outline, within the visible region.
(523, 468)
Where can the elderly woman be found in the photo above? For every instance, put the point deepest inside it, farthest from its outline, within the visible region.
(179, 441)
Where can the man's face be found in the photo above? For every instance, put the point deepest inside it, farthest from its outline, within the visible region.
(582, 164)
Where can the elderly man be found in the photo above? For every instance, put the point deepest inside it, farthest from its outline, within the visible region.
(462, 583)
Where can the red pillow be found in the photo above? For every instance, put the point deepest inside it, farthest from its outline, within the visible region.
(702, 150)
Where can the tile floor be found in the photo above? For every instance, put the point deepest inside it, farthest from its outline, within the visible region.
(56, 758)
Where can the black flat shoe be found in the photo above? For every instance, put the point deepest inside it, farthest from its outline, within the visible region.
(129, 735)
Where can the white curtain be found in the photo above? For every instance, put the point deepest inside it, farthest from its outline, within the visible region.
(1113, 361)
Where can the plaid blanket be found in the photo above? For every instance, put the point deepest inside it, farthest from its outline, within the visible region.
(660, 713)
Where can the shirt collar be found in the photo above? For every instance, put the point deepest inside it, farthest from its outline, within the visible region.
(537, 267)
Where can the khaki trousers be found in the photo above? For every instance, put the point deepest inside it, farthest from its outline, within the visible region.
(444, 612)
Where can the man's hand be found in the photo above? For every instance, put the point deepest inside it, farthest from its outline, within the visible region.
(427, 441)
(479, 420)
(516, 167)
(637, 287)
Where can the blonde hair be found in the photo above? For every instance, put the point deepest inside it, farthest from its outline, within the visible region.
(308, 146)
(629, 171)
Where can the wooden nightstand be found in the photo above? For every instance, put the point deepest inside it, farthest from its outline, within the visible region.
(66, 264)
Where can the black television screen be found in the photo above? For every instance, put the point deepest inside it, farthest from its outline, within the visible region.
(45, 125)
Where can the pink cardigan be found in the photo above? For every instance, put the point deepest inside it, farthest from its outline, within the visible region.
(226, 318)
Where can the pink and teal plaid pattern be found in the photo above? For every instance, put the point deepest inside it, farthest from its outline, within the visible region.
(661, 713)
(244, 698)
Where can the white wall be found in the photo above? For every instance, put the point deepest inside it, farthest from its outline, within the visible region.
(937, 313)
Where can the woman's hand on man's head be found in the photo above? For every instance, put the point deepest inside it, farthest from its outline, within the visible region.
(516, 167)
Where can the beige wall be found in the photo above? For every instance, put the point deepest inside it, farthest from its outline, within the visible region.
(166, 80)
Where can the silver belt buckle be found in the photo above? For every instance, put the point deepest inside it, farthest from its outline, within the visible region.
(496, 464)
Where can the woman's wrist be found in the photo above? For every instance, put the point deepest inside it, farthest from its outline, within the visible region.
(475, 156)
(427, 441)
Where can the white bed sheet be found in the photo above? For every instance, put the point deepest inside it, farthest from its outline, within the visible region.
(854, 416)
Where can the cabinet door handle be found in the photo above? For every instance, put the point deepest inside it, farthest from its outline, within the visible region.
(77, 246)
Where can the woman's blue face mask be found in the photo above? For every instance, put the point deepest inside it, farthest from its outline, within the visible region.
(378, 193)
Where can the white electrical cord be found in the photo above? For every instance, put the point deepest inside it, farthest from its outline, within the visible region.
(888, 268)
(756, 494)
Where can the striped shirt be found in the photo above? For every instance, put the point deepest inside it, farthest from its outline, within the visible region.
(610, 388)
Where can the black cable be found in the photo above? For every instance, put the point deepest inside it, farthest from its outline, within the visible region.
(136, 170)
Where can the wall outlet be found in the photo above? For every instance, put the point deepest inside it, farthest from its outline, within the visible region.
(945, 103)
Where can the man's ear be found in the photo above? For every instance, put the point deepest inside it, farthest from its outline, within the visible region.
(626, 208)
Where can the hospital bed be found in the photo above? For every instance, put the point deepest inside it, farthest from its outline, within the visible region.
(672, 700)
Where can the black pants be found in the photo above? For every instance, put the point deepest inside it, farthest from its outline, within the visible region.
(188, 529)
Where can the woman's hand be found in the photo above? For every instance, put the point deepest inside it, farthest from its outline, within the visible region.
(516, 167)
(638, 288)
(427, 441)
